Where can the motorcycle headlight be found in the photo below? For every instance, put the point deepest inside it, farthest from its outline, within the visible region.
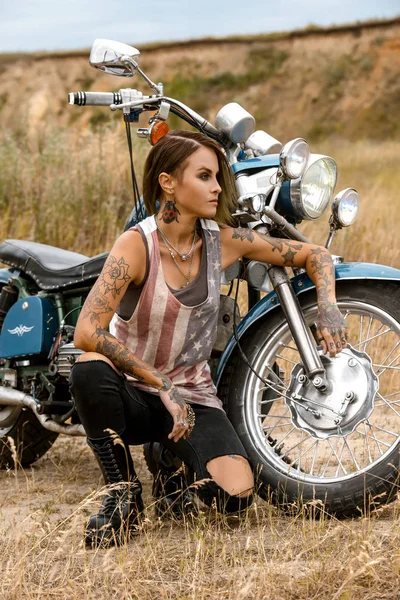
(311, 193)
(293, 158)
(345, 207)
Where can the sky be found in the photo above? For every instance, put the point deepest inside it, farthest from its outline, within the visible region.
(33, 25)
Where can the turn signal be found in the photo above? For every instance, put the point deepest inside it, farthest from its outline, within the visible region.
(157, 130)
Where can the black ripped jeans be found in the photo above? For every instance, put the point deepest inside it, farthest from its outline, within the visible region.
(105, 400)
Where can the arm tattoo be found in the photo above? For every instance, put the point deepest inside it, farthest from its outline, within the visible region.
(324, 272)
(111, 280)
(114, 275)
(126, 361)
(96, 304)
(174, 397)
(243, 233)
(330, 317)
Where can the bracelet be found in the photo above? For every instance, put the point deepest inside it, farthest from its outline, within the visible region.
(191, 420)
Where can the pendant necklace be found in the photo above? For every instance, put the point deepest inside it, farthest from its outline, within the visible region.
(182, 256)
(191, 256)
(187, 277)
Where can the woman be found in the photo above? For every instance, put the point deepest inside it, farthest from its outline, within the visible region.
(150, 382)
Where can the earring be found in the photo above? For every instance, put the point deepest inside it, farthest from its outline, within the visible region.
(170, 212)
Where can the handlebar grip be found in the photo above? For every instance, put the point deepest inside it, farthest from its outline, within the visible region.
(94, 98)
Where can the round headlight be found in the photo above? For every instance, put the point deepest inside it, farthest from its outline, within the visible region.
(258, 202)
(293, 158)
(345, 207)
(311, 193)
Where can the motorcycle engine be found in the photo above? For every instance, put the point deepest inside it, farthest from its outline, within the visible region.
(66, 354)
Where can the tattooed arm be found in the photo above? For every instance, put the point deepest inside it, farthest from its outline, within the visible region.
(125, 263)
(331, 327)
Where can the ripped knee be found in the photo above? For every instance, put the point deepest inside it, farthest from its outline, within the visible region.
(233, 474)
(96, 357)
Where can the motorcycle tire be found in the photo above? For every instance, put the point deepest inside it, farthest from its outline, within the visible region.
(291, 465)
(23, 440)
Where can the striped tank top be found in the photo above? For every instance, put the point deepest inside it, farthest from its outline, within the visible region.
(176, 339)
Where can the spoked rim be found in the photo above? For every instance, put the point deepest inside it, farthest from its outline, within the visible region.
(294, 452)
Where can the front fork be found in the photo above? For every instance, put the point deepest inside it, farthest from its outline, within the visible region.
(301, 333)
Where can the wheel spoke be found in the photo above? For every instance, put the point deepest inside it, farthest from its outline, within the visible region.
(287, 359)
(390, 353)
(373, 337)
(361, 330)
(367, 442)
(285, 436)
(351, 454)
(314, 458)
(337, 457)
(383, 368)
(269, 401)
(275, 416)
(295, 446)
(368, 330)
(290, 347)
(315, 442)
(271, 427)
(396, 435)
(393, 394)
(327, 462)
(387, 404)
(339, 461)
(395, 402)
(374, 438)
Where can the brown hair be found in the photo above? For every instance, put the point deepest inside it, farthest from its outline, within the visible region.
(169, 154)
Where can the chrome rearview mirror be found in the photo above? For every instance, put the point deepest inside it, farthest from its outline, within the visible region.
(114, 58)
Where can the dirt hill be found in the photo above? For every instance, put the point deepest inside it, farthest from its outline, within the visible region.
(313, 83)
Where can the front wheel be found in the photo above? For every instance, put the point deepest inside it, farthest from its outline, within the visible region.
(347, 468)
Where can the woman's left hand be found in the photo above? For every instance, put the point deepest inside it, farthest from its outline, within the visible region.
(332, 333)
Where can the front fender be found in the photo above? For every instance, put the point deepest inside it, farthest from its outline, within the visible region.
(302, 283)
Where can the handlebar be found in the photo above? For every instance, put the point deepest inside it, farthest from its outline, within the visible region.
(127, 98)
(95, 98)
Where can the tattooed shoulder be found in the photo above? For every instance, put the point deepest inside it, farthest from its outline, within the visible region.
(242, 233)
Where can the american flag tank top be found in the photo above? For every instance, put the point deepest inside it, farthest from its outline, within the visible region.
(176, 339)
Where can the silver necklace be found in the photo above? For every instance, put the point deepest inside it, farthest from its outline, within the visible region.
(184, 255)
(187, 277)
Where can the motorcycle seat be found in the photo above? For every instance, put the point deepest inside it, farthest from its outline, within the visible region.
(50, 267)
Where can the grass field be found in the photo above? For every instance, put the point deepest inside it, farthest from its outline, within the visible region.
(265, 555)
(75, 193)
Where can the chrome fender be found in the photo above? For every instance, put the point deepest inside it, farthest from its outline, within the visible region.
(302, 283)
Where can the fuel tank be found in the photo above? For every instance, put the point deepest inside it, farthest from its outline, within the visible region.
(29, 327)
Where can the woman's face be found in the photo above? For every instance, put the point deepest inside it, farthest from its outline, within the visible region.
(196, 190)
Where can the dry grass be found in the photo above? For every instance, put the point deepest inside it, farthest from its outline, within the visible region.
(291, 557)
(74, 191)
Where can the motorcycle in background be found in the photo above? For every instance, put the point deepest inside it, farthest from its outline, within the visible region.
(317, 428)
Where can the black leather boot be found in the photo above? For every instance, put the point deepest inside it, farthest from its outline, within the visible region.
(170, 485)
(119, 515)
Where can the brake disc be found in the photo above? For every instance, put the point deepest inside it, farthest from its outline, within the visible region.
(347, 400)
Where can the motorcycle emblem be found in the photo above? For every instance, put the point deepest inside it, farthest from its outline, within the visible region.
(20, 330)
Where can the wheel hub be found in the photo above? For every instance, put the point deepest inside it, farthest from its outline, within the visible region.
(347, 400)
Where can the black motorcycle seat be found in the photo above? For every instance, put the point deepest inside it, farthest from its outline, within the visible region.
(51, 268)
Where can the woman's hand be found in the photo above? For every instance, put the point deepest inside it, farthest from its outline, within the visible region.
(178, 410)
(332, 333)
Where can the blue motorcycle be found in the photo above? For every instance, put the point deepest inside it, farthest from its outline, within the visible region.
(317, 429)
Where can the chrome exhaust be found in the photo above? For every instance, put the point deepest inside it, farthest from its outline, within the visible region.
(12, 397)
